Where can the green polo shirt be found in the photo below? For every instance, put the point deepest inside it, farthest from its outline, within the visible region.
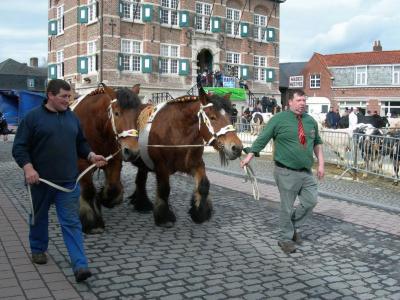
(282, 128)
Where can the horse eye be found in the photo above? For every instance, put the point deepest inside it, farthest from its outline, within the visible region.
(213, 118)
(116, 114)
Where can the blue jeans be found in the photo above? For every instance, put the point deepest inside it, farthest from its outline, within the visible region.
(67, 208)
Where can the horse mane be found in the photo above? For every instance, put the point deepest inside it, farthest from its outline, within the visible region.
(217, 101)
(184, 99)
(127, 99)
(102, 89)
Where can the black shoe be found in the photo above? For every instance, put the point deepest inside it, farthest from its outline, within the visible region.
(39, 258)
(82, 274)
(287, 246)
(297, 237)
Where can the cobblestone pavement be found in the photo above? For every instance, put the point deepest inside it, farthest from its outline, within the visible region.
(349, 252)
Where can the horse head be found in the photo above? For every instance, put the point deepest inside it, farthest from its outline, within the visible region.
(123, 113)
(215, 125)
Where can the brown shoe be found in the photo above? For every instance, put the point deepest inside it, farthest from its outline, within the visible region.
(39, 258)
(287, 246)
(297, 237)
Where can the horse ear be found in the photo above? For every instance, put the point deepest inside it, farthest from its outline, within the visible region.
(202, 96)
(227, 96)
(136, 89)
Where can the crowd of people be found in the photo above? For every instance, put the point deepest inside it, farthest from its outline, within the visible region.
(210, 79)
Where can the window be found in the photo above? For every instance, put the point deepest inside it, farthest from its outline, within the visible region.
(259, 28)
(315, 81)
(130, 8)
(203, 15)
(169, 12)
(396, 75)
(259, 67)
(169, 59)
(232, 21)
(60, 63)
(31, 83)
(233, 61)
(60, 19)
(361, 75)
(91, 52)
(131, 55)
(92, 11)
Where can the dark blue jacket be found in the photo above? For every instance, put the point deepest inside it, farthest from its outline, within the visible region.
(52, 142)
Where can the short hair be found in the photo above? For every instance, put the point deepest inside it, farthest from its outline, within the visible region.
(299, 92)
(54, 86)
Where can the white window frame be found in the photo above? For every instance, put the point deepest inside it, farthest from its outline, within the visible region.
(92, 7)
(169, 60)
(91, 56)
(315, 81)
(60, 19)
(31, 82)
(396, 75)
(132, 59)
(60, 61)
(203, 15)
(128, 8)
(233, 59)
(260, 23)
(169, 9)
(361, 76)
(233, 17)
(260, 63)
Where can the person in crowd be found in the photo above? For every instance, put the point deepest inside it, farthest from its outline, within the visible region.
(359, 114)
(330, 118)
(336, 118)
(4, 127)
(273, 105)
(234, 114)
(296, 138)
(245, 119)
(47, 145)
(353, 119)
(218, 79)
(265, 103)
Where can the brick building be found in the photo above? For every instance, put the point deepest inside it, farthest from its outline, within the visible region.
(369, 80)
(163, 44)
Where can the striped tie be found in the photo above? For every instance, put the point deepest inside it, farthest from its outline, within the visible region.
(300, 131)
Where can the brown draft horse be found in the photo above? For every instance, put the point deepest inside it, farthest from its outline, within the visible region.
(175, 144)
(108, 120)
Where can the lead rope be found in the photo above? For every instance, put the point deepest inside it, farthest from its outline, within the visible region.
(253, 179)
(61, 188)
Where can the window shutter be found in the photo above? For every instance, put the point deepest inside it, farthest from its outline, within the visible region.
(184, 67)
(184, 19)
(97, 62)
(159, 14)
(147, 12)
(120, 56)
(53, 27)
(120, 8)
(82, 14)
(244, 72)
(270, 75)
(97, 9)
(83, 65)
(63, 20)
(270, 34)
(216, 24)
(244, 29)
(63, 69)
(147, 64)
(52, 71)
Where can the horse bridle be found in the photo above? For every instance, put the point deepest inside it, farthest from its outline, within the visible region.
(123, 134)
(214, 135)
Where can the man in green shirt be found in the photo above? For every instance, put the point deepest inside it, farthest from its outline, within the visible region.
(296, 138)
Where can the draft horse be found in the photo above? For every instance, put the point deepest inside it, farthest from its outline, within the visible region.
(172, 140)
(108, 119)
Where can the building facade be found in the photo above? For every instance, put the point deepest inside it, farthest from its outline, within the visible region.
(369, 80)
(163, 44)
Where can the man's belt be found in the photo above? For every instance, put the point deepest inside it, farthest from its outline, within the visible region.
(280, 165)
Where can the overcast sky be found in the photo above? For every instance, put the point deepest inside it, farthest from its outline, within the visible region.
(307, 26)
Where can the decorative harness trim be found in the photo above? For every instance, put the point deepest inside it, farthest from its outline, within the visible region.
(123, 134)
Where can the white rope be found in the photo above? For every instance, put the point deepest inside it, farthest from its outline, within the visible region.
(61, 188)
(253, 179)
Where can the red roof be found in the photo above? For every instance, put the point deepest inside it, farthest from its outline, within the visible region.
(361, 58)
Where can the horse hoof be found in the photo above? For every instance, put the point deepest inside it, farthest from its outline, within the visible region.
(98, 230)
(168, 224)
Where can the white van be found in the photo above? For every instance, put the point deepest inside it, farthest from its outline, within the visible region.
(318, 105)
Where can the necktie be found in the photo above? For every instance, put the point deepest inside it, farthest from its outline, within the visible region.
(300, 131)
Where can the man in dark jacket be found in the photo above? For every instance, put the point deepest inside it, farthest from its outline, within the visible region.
(47, 145)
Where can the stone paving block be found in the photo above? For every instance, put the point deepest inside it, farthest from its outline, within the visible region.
(11, 292)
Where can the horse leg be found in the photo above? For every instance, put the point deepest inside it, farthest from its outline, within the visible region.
(201, 206)
(112, 192)
(139, 198)
(89, 210)
(163, 216)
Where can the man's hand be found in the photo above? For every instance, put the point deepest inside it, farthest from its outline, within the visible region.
(246, 160)
(321, 171)
(31, 176)
(99, 160)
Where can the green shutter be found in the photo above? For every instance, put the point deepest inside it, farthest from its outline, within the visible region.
(183, 18)
(119, 63)
(244, 72)
(52, 70)
(120, 8)
(147, 64)
(184, 67)
(216, 24)
(270, 34)
(82, 14)
(53, 27)
(159, 14)
(83, 65)
(270, 75)
(147, 12)
(244, 29)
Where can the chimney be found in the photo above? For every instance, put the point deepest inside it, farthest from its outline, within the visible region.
(33, 62)
(377, 46)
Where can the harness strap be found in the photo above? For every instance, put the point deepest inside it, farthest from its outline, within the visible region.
(123, 134)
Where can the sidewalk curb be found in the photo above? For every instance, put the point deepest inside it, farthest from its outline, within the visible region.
(320, 193)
